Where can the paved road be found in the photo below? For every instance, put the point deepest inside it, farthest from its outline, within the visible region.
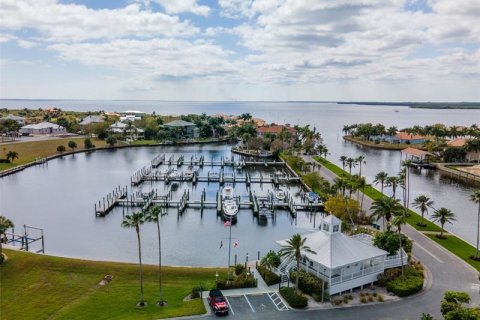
(446, 270)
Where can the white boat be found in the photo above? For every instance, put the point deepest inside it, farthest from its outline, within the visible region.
(188, 175)
(227, 193)
(280, 194)
(173, 174)
(230, 209)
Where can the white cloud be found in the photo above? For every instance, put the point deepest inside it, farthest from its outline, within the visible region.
(72, 22)
(180, 6)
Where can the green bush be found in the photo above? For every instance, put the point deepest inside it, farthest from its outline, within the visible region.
(297, 301)
(239, 269)
(195, 292)
(405, 286)
(241, 281)
(308, 283)
(268, 276)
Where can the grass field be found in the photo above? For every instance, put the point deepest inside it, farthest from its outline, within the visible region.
(45, 287)
(28, 151)
(459, 247)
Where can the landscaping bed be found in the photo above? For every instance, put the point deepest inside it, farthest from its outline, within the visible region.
(268, 276)
(297, 301)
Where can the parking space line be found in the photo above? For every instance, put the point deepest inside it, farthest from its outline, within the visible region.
(251, 307)
(280, 303)
(230, 306)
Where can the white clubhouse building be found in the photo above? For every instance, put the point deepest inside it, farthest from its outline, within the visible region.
(344, 262)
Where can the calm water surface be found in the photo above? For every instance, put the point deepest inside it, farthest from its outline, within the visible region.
(60, 197)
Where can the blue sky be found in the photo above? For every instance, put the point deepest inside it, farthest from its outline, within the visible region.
(396, 50)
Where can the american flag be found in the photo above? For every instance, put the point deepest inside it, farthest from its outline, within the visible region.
(227, 223)
(235, 244)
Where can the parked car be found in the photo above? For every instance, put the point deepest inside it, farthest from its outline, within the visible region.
(217, 302)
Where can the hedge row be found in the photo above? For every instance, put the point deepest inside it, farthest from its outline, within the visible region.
(268, 276)
(297, 301)
(308, 283)
(405, 286)
(241, 281)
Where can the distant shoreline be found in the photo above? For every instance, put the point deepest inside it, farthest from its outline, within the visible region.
(421, 105)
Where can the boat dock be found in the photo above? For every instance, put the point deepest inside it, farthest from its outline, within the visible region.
(256, 202)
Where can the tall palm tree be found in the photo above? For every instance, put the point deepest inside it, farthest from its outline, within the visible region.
(398, 221)
(381, 178)
(294, 250)
(422, 203)
(154, 215)
(340, 184)
(135, 220)
(270, 260)
(360, 159)
(5, 223)
(385, 208)
(343, 160)
(475, 197)
(393, 182)
(443, 215)
(350, 163)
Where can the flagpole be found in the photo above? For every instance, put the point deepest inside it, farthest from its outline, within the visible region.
(229, 248)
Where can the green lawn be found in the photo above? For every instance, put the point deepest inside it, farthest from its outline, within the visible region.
(45, 287)
(456, 245)
(374, 194)
(28, 151)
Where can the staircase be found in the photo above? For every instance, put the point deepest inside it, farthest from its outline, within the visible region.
(284, 269)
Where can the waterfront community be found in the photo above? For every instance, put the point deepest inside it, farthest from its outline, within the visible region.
(325, 231)
(261, 159)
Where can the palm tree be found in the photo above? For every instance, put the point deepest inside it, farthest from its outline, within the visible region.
(398, 221)
(270, 260)
(5, 223)
(350, 163)
(135, 220)
(154, 215)
(294, 250)
(393, 182)
(343, 160)
(422, 203)
(443, 215)
(385, 208)
(12, 155)
(475, 197)
(340, 184)
(381, 178)
(360, 159)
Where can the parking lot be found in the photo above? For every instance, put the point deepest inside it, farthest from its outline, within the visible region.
(255, 303)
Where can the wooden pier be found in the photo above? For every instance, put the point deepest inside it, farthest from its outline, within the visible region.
(110, 201)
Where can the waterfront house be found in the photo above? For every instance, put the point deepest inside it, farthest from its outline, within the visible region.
(131, 115)
(275, 130)
(129, 130)
(344, 262)
(183, 129)
(17, 119)
(417, 155)
(43, 128)
(407, 138)
(471, 156)
(91, 119)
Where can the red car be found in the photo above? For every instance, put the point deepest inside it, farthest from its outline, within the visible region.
(217, 302)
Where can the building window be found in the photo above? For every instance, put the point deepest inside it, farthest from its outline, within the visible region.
(325, 227)
(310, 264)
(336, 228)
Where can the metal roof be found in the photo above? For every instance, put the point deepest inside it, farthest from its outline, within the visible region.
(179, 123)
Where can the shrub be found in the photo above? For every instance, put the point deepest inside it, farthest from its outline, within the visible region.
(239, 269)
(380, 298)
(308, 283)
(374, 294)
(195, 294)
(389, 241)
(61, 148)
(405, 286)
(370, 299)
(268, 276)
(4, 160)
(345, 299)
(337, 302)
(388, 275)
(297, 301)
(363, 299)
(241, 281)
